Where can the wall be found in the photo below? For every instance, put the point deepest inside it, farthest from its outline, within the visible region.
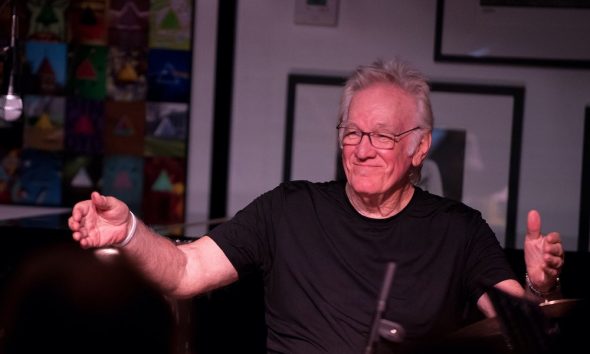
(270, 46)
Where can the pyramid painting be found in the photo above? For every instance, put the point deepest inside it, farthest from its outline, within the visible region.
(39, 182)
(127, 69)
(163, 190)
(88, 22)
(125, 128)
(88, 71)
(167, 125)
(84, 126)
(128, 23)
(170, 23)
(44, 122)
(47, 62)
(81, 176)
(123, 177)
(47, 20)
(169, 75)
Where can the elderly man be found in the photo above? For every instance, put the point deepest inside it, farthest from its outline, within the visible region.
(323, 247)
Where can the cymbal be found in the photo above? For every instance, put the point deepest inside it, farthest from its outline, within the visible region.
(560, 308)
(488, 327)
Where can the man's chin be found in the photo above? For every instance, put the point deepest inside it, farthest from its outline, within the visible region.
(364, 189)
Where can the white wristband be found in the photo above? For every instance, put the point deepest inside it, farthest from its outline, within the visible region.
(131, 232)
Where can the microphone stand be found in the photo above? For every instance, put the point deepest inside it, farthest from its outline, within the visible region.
(11, 105)
(381, 327)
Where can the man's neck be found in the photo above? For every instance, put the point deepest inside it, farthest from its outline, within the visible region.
(381, 206)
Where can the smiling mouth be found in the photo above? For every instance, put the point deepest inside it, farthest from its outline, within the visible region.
(365, 165)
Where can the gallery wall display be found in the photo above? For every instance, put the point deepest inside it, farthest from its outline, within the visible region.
(530, 33)
(106, 104)
(475, 152)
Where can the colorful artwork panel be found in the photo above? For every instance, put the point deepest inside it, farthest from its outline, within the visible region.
(164, 187)
(39, 179)
(166, 129)
(81, 176)
(123, 178)
(84, 126)
(129, 23)
(45, 68)
(88, 68)
(169, 75)
(127, 70)
(170, 22)
(106, 92)
(44, 122)
(125, 128)
(87, 22)
(47, 20)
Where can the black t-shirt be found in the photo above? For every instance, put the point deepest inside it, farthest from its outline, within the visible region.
(323, 265)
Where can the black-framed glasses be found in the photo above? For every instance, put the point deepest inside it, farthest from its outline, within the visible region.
(379, 140)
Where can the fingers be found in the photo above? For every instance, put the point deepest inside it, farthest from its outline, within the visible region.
(552, 272)
(533, 227)
(553, 254)
(552, 244)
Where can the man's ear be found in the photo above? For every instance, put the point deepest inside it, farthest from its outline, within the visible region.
(422, 149)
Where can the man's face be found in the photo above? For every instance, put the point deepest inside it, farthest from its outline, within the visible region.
(386, 109)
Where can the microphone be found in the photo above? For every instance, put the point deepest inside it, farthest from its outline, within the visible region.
(11, 105)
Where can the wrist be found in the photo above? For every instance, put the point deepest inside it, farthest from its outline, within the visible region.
(130, 232)
(551, 293)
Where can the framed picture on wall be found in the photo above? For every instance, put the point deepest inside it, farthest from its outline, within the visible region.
(489, 117)
(531, 33)
(311, 146)
(475, 154)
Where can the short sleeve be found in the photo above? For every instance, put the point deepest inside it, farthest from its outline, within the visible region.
(246, 239)
(486, 263)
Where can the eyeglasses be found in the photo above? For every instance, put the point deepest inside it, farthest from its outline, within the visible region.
(379, 140)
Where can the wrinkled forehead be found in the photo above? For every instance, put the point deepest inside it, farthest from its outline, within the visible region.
(382, 106)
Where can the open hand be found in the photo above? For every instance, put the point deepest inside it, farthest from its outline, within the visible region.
(99, 221)
(543, 254)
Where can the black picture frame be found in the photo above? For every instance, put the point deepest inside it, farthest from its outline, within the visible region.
(528, 43)
(295, 82)
(512, 99)
(504, 108)
(584, 228)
